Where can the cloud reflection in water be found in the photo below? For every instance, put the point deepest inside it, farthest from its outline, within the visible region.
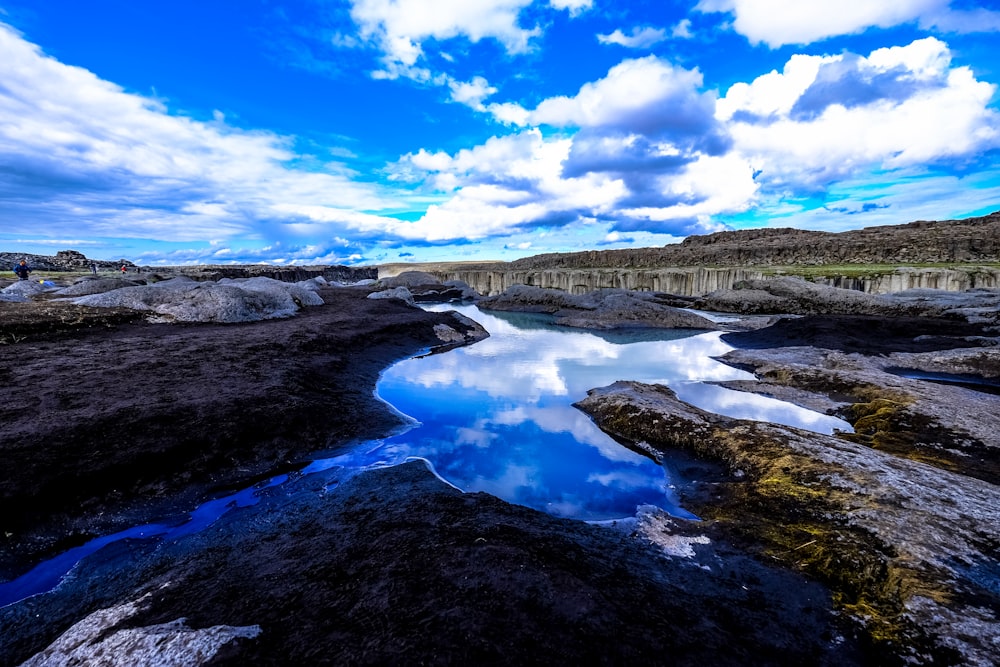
(497, 416)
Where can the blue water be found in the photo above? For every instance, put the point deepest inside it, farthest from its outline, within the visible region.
(497, 417)
(47, 575)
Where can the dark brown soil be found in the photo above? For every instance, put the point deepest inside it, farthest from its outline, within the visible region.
(105, 424)
(34, 319)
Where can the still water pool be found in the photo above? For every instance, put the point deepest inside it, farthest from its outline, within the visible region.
(498, 417)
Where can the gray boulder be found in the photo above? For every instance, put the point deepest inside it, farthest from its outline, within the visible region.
(623, 309)
(409, 279)
(399, 292)
(787, 295)
(239, 300)
(529, 299)
(427, 287)
(26, 289)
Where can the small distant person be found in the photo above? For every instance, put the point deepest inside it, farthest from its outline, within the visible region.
(22, 270)
(93, 269)
(124, 269)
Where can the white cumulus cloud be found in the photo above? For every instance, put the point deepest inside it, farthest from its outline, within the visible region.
(472, 93)
(641, 95)
(780, 22)
(76, 146)
(573, 6)
(645, 154)
(401, 26)
(826, 118)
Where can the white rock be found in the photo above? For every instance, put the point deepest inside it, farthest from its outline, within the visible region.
(92, 641)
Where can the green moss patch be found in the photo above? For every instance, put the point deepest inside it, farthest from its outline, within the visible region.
(893, 427)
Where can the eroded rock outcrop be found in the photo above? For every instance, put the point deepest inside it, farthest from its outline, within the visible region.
(702, 264)
(73, 260)
(908, 548)
(104, 638)
(971, 240)
(698, 281)
(426, 287)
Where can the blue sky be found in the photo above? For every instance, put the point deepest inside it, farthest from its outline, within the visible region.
(370, 131)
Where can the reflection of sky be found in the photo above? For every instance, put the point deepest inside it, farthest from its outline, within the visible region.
(497, 416)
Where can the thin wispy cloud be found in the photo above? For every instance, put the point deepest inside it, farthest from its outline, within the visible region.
(638, 38)
(780, 22)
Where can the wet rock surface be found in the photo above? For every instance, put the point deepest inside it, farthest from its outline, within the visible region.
(395, 567)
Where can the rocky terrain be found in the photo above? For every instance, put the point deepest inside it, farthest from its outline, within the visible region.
(899, 517)
(604, 309)
(907, 540)
(876, 546)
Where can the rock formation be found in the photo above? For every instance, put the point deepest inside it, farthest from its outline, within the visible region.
(424, 286)
(185, 300)
(702, 264)
(691, 281)
(799, 297)
(903, 544)
(64, 260)
(968, 241)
